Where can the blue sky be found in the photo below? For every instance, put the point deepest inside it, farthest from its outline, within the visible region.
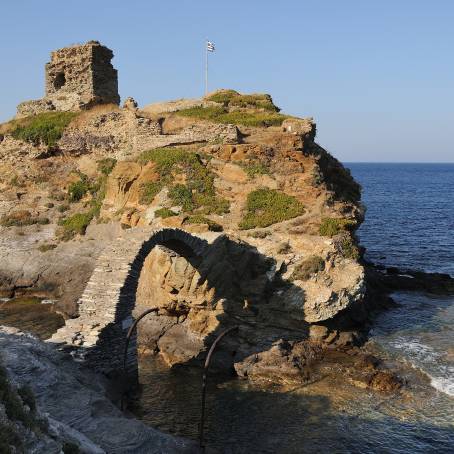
(378, 76)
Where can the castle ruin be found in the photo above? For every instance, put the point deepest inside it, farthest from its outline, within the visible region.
(77, 78)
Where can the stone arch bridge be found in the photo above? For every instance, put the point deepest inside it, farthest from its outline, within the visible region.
(98, 335)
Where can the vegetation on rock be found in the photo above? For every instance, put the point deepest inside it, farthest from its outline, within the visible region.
(106, 165)
(44, 128)
(254, 168)
(334, 226)
(346, 246)
(148, 191)
(20, 407)
(164, 213)
(78, 189)
(198, 194)
(22, 218)
(46, 247)
(75, 225)
(199, 219)
(307, 268)
(234, 99)
(266, 206)
(220, 114)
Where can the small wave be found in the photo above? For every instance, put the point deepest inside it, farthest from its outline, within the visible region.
(429, 361)
(444, 385)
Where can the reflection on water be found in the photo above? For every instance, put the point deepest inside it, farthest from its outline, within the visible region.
(30, 314)
(329, 416)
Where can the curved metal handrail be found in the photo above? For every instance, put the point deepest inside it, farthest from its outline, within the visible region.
(125, 353)
(131, 330)
(204, 380)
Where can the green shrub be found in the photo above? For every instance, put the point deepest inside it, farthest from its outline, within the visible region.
(63, 208)
(9, 438)
(233, 98)
(46, 128)
(106, 165)
(198, 193)
(223, 96)
(76, 224)
(199, 219)
(78, 189)
(164, 213)
(180, 194)
(304, 270)
(269, 206)
(27, 396)
(46, 247)
(333, 226)
(345, 245)
(167, 158)
(22, 218)
(253, 168)
(13, 401)
(259, 234)
(148, 191)
(238, 117)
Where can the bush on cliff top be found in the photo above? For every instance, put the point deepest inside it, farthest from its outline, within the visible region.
(333, 226)
(237, 117)
(266, 206)
(233, 98)
(307, 268)
(44, 128)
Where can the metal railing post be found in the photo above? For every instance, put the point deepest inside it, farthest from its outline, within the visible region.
(204, 382)
(128, 337)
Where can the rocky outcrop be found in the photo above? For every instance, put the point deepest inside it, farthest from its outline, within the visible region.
(73, 405)
(286, 266)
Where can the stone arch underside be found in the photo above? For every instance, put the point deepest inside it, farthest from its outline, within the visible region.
(106, 305)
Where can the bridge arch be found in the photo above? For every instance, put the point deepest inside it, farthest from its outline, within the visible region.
(98, 335)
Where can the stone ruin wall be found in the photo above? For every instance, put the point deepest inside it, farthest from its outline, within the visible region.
(77, 77)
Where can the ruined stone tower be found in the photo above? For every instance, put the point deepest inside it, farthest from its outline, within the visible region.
(77, 77)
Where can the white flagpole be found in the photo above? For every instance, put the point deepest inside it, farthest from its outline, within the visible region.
(206, 66)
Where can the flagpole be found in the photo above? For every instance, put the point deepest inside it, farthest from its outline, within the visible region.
(206, 67)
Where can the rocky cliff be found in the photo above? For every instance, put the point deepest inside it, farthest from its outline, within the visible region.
(288, 266)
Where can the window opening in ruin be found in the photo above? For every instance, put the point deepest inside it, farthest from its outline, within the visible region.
(59, 81)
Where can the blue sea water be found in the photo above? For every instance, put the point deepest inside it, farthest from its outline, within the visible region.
(410, 214)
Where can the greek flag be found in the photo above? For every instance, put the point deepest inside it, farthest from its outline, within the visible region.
(210, 46)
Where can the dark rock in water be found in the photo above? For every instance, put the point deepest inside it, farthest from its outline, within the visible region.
(284, 363)
(394, 279)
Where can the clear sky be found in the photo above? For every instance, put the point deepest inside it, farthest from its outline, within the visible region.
(378, 76)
